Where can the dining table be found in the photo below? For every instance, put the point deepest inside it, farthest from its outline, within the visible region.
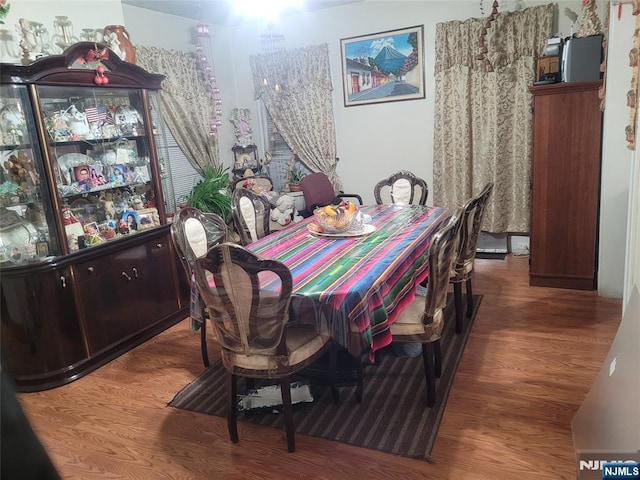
(358, 282)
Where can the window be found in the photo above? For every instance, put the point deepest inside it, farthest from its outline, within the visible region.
(280, 152)
(178, 176)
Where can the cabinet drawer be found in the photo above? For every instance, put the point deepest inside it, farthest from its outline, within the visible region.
(95, 267)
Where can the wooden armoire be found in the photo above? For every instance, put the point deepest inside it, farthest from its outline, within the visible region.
(565, 178)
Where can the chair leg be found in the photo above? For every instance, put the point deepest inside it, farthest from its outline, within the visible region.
(437, 353)
(376, 358)
(457, 298)
(232, 406)
(360, 375)
(469, 298)
(285, 389)
(203, 342)
(427, 358)
(333, 361)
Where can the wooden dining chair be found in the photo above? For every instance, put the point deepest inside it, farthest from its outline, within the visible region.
(248, 301)
(193, 232)
(251, 213)
(422, 321)
(403, 187)
(473, 214)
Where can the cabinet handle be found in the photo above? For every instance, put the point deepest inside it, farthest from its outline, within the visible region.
(124, 274)
(91, 269)
(159, 245)
(135, 272)
(63, 281)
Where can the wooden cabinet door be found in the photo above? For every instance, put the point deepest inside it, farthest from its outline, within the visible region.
(565, 183)
(107, 294)
(127, 291)
(157, 289)
(42, 337)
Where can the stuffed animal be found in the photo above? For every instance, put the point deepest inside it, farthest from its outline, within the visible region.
(21, 170)
(108, 205)
(285, 211)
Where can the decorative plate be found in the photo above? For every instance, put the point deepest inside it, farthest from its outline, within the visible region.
(361, 232)
(127, 115)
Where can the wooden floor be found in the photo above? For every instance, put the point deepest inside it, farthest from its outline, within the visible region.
(529, 362)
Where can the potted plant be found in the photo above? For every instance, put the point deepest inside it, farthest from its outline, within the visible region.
(212, 193)
(294, 175)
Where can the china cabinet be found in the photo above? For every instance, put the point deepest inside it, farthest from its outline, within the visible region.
(88, 269)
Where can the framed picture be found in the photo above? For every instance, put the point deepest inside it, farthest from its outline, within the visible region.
(75, 235)
(148, 218)
(92, 234)
(129, 222)
(136, 174)
(107, 230)
(383, 67)
(117, 174)
(42, 249)
(97, 175)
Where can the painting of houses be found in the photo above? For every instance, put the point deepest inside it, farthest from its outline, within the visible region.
(383, 67)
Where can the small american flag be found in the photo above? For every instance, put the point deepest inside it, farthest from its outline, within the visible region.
(98, 114)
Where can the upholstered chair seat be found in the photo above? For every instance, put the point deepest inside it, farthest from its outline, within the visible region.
(410, 324)
(302, 342)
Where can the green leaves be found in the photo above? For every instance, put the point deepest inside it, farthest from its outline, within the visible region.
(212, 194)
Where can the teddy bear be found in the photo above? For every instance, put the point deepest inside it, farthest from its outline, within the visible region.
(285, 211)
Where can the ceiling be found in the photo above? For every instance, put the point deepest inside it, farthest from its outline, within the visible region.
(221, 12)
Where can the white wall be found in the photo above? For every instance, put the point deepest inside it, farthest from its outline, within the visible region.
(616, 158)
(153, 29)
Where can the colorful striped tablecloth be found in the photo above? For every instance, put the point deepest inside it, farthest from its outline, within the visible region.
(362, 282)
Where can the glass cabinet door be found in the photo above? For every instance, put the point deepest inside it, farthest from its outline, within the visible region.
(27, 225)
(99, 152)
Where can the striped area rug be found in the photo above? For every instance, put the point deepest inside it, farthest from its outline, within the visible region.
(393, 416)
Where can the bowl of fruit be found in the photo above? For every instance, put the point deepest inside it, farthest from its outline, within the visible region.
(334, 218)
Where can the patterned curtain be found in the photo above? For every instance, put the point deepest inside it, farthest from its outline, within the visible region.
(184, 108)
(483, 119)
(295, 86)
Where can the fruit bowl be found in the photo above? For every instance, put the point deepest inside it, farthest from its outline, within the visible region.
(335, 218)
